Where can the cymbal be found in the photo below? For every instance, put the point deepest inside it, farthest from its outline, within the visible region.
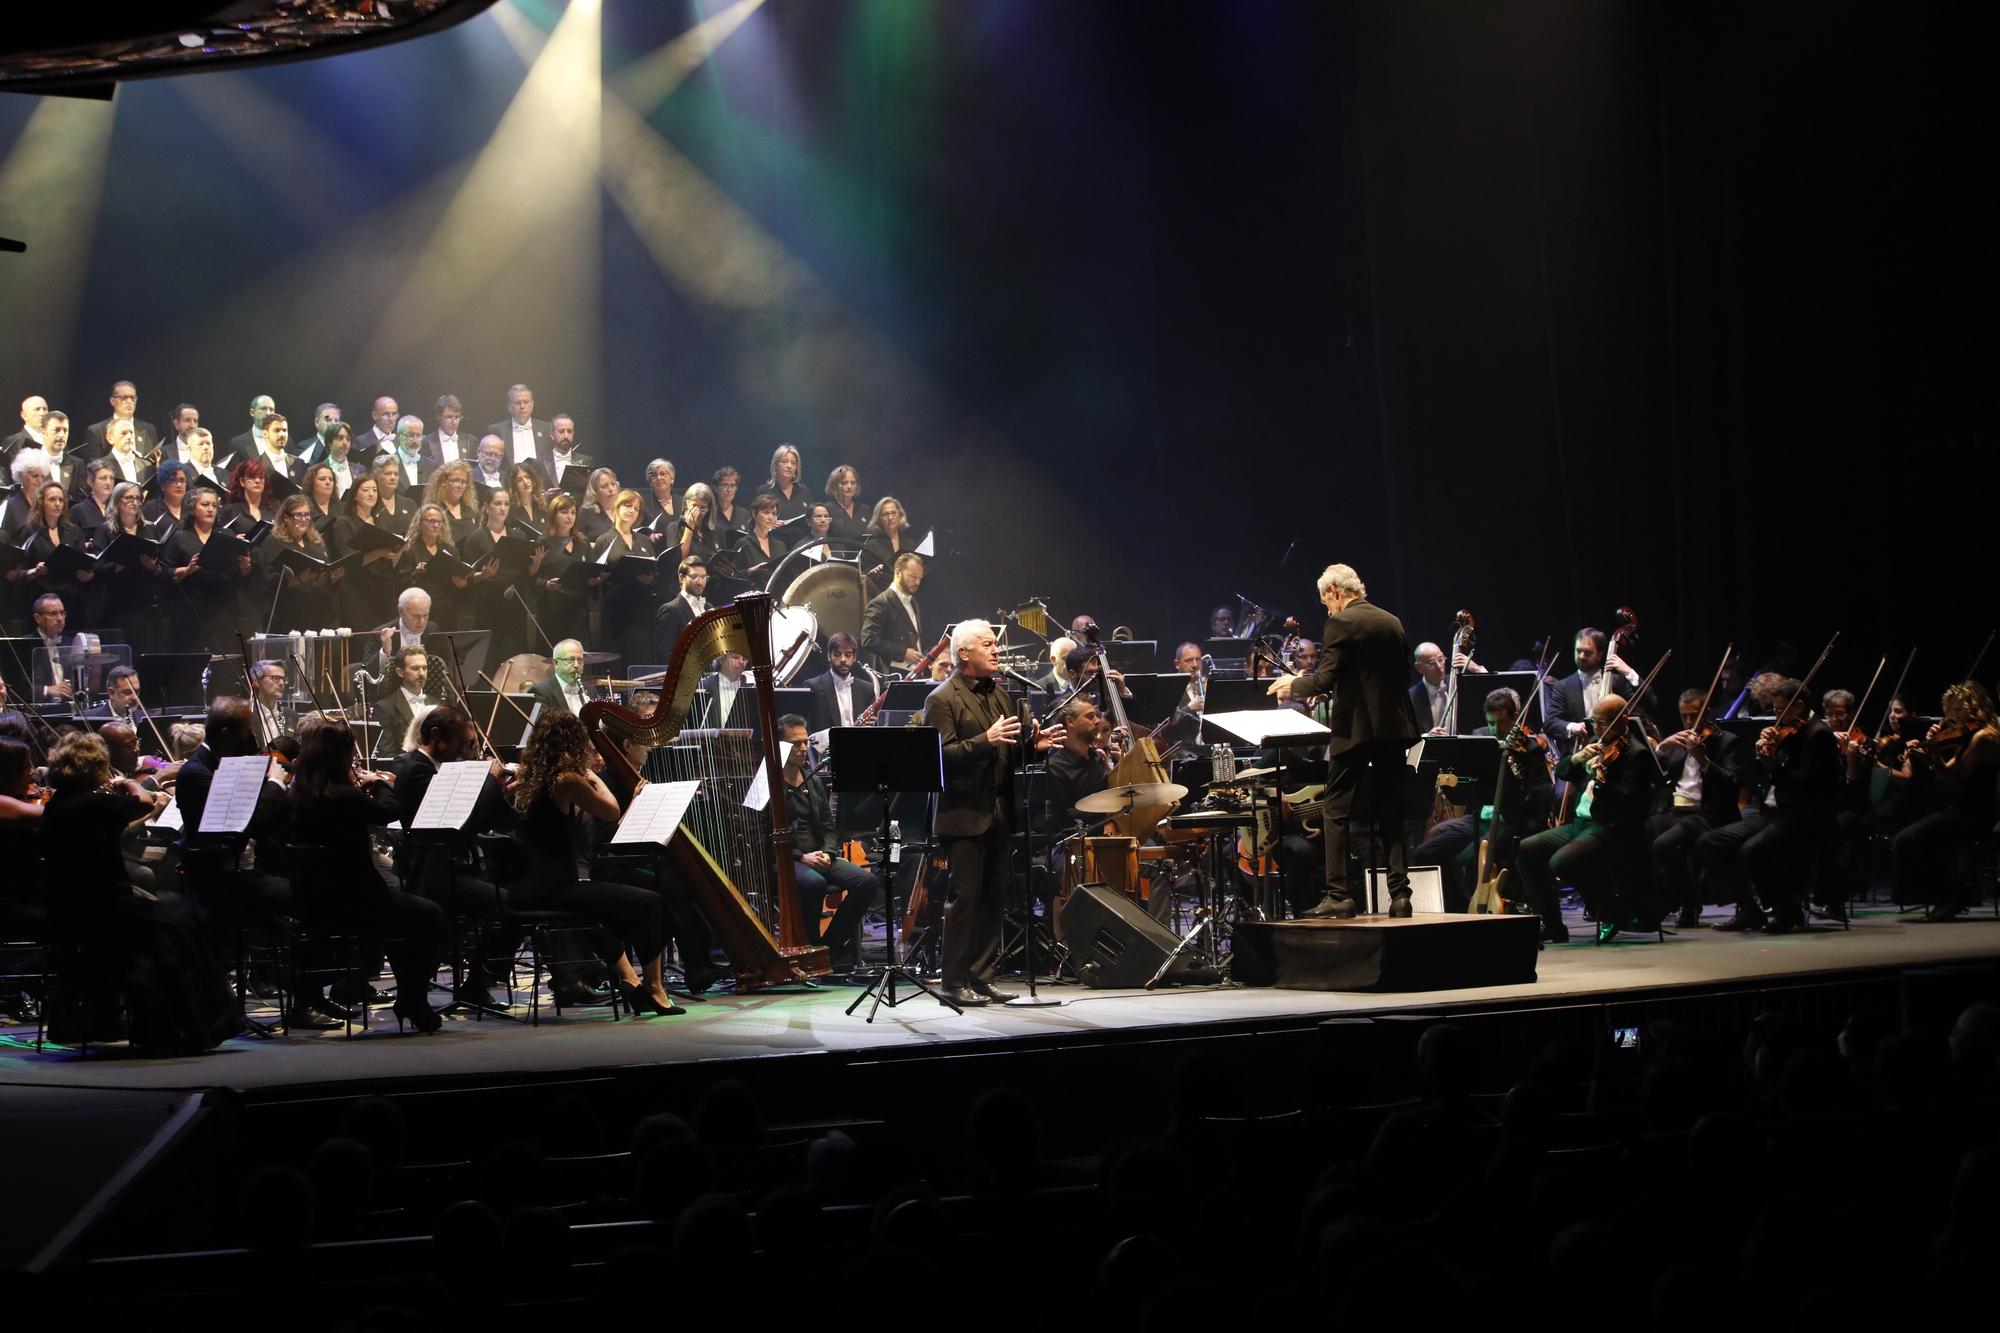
(523, 670)
(1251, 774)
(598, 659)
(1117, 800)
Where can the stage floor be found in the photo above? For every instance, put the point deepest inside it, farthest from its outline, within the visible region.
(801, 1023)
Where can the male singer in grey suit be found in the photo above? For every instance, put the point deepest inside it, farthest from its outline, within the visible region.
(1364, 669)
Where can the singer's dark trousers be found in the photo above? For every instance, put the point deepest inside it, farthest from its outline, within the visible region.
(978, 896)
(1367, 779)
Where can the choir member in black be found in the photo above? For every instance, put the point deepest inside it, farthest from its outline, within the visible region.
(628, 602)
(758, 551)
(1569, 701)
(335, 448)
(127, 595)
(371, 583)
(294, 599)
(1706, 770)
(211, 591)
(726, 516)
(785, 483)
(167, 510)
(129, 943)
(40, 537)
(447, 736)
(594, 518)
(1527, 798)
(335, 805)
(430, 561)
(839, 694)
(392, 507)
(488, 472)
(249, 489)
(562, 606)
(491, 608)
(819, 534)
(524, 491)
(1601, 848)
(843, 501)
(661, 502)
(30, 471)
(321, 490)
(982, 742)
(817, 865)
(1763, 861)
(892, 624)
(1963, 752)
(1363, 665)
(93, 504)
(697, 532)
(125, 459)
(557, 796)
(450, 489)
(883, 544)
(204, 468)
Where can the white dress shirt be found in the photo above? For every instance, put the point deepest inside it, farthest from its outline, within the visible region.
(447, 448)
(343, 475)
(127, 465)
(725, 698)
(910, 606)
(524, 441)
(1436, 694)
(843, 698)
(276, 460)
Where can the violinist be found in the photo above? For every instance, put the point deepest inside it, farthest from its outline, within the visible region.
(1601, 850)
(1573, 699)
(1837, 707)
(1527, 797)
(1759, 861)
(1705, 764)
(1963, 751)
(447, 735)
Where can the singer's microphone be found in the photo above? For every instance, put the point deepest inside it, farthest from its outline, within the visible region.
(1018, 676)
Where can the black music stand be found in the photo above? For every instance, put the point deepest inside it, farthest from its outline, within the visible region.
(1474, 686)
(886, 760)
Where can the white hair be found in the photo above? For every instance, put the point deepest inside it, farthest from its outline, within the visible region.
(408, 419)
(1059, 648)
(964, 633)
(1344, 578)
(29, 460)
(409, 597)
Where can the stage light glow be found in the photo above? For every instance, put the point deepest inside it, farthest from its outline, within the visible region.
(509, 276)
(522, 33)
(50, 186)
(648, 81)
(310, 177)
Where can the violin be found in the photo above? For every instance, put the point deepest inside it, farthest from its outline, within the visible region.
(1940, 745)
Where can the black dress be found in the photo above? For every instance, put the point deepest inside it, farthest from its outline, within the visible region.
(115, 943)
(211, 600)
(754, 563)
(558, 879)
(491, 608)
(367, 596)
(564, 610)
(414, 568)
(35, 540)
(628, 606)
(790, 506)
(129, 597)
(348, 887)
(289, 603)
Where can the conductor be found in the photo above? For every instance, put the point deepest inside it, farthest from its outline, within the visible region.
(1364, 670)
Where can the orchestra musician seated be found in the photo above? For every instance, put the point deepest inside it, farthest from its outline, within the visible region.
(1601, 850)
(817, 864)
(566, 691)
(838, 694)
(1706, 769)
(1527, 797)
(402, 698)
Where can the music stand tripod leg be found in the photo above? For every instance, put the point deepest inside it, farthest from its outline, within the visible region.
(883, 989)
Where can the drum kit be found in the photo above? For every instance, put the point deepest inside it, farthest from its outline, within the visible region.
(1187, 882)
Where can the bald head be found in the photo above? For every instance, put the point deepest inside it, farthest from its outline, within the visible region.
(1430, 662)
(1606, 708)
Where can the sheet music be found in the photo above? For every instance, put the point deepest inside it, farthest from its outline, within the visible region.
(232, 797)
(759, 794)
(170, 818)
(927, 547)
(448, 801)
(656, 812)
(1255, 726)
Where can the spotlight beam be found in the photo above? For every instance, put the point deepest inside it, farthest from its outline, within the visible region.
(54, 176)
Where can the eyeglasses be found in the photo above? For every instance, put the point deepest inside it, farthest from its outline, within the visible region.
(125, 397)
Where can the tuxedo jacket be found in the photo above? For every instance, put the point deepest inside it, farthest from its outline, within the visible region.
(1364, 670)
(146, 438)
(505, 430)
(743, 713)
(1721, 781)
(468, 449)
(1562, 703)
(886, 631)
(393, 712)
(549, 695)
(825, 709)
(672, 620)
(142, 469)
(978, 773)
(245, 445)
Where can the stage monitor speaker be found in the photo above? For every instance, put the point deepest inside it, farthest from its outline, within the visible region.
(1114, 944)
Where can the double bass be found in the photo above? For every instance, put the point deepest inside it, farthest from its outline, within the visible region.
(1141, 762)
(701, 849)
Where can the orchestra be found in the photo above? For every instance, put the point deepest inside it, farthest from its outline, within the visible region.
(513, 581)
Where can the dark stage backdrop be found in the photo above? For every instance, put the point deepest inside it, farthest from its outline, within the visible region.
(1533, 307)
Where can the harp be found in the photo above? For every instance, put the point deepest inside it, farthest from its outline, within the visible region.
(736, 861)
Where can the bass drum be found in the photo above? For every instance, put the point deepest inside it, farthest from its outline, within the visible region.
(832, 592)
(794, 635)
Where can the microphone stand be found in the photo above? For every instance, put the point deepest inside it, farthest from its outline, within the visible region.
(283, 575)
(1034, 999)
(514, 591)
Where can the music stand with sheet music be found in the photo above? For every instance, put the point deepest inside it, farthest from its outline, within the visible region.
(441, 827)
(884, 761)
(1473, 762)
(508, 726)
(1473, 687)
(1272, 727)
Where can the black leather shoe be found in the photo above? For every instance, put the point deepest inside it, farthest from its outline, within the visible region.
(1400, 907)
(419, 1015)
(1555, 933)
(581, 997)
(994, 993)
(1746, 918)
(701, 976)
(326, 1008)
(1331, 908)
(305, 1020)
(963, 996)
